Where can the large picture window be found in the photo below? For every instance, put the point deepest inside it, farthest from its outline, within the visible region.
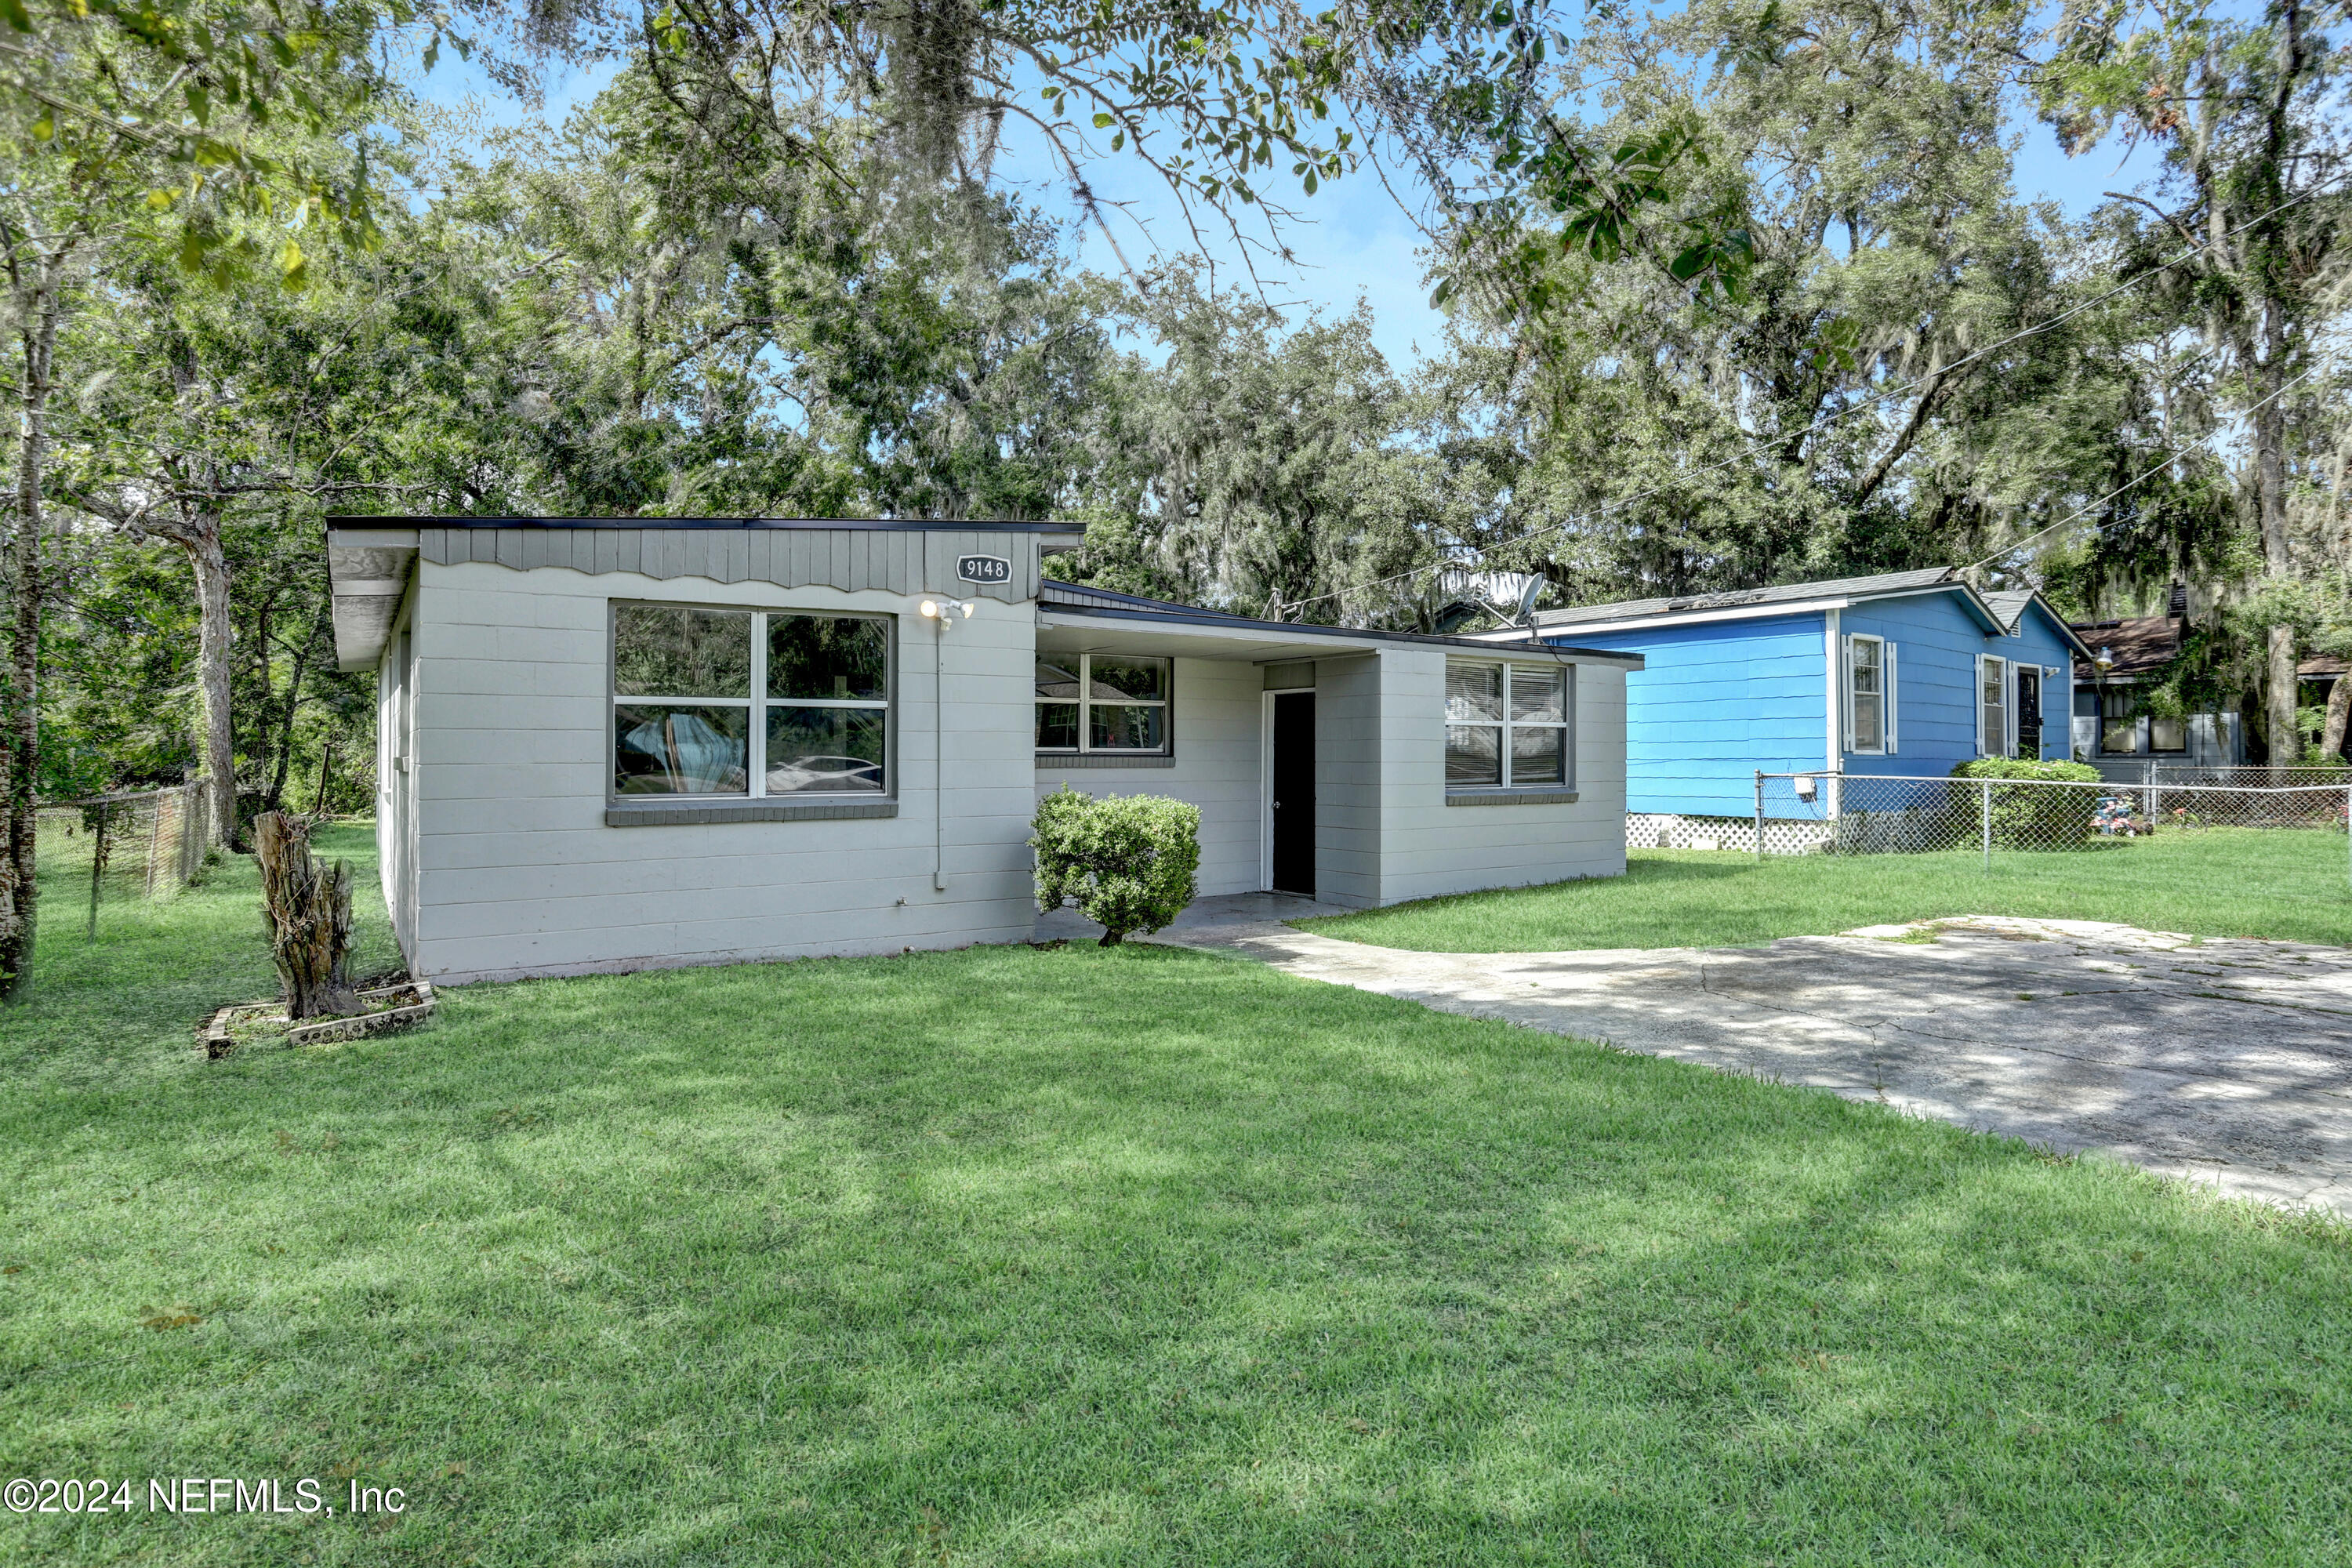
(749, 703)
(1508, 726)
(1102, 702)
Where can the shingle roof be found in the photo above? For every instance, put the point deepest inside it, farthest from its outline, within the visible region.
(1079, 599)
(1053, 591)
(2009, 605)
(1740, 598)
(2139, 643)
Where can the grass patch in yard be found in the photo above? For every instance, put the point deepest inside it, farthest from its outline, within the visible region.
(1132, 1256)
(2224, 881)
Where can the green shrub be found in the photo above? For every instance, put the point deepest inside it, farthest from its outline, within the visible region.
(2025, 816)
(1130, 862)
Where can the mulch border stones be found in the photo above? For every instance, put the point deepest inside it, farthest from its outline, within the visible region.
(218, 1043)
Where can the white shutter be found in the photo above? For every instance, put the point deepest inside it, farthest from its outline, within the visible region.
(1976, 703)
(1846, 691)
(1886, 702)
(2008, 707)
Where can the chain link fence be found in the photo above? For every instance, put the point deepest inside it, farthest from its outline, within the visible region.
(2251, 775)
(1859, 814)
(142, 844)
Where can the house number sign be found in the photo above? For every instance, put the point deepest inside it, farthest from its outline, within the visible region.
(983, 569)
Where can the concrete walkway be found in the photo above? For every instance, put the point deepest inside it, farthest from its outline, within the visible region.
(2224, 1062)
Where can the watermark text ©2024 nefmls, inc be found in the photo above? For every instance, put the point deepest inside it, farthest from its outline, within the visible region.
(198, 1494)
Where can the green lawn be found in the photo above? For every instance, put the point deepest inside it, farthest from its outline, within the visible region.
(2220, 882)
(1137, 1256)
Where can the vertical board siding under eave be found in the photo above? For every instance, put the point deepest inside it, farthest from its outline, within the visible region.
(887, 560)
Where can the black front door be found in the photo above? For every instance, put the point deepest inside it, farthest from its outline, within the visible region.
(2029, 713)
(1294, 792)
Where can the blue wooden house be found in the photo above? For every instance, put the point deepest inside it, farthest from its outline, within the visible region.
(1905, 673)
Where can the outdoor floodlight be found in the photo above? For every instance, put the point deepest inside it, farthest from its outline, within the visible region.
(944, 611)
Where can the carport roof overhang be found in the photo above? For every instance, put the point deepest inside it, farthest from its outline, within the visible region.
(1066, 628)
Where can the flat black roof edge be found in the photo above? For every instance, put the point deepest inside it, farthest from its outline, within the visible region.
(1214, 618)
(887, 524)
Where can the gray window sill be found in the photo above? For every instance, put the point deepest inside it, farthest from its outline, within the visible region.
(1510, 797)
(746, 811)
(1048, 761)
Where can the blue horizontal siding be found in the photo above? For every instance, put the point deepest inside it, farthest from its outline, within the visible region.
(1722, 699)
(1937, 641)
(2040, 640)
(1716, 703)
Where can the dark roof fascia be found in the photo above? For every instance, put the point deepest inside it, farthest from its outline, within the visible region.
(1138, 601)
(878, 524)
(1353, 634)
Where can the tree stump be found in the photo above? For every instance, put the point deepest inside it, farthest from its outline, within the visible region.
(308, 909)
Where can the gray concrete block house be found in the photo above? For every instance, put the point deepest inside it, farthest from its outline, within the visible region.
(614, 744)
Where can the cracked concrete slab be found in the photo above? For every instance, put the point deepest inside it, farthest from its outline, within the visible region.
(2226, 1062)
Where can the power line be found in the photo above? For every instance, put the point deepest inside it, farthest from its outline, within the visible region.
(1283, 607)
(2157, 467)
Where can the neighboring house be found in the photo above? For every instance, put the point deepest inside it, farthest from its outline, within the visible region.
(2316, 675)
(1903, 673)
(2114, 729)
(608, 745)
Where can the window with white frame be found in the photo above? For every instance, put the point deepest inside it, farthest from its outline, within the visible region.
(2118, 719)
(1992, 706)
(1510, 726)
(750, 703)
(1102, 702)
(1870, 694)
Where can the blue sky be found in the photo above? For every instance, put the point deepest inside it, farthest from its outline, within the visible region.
(1356, 243)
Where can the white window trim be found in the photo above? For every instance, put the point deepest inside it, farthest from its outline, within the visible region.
(1165, 703)
(2003, 674)
(755, 716)
(1567, 726)
(1885, 748)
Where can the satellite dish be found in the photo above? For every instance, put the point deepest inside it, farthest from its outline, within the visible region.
(1510, 594)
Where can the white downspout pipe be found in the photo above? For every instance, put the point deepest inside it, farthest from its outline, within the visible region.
(939, 755)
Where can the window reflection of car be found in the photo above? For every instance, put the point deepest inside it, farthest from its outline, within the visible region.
(823, 774)
(680, 753)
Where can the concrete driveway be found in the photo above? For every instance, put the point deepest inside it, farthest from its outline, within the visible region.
(2223, 1062)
